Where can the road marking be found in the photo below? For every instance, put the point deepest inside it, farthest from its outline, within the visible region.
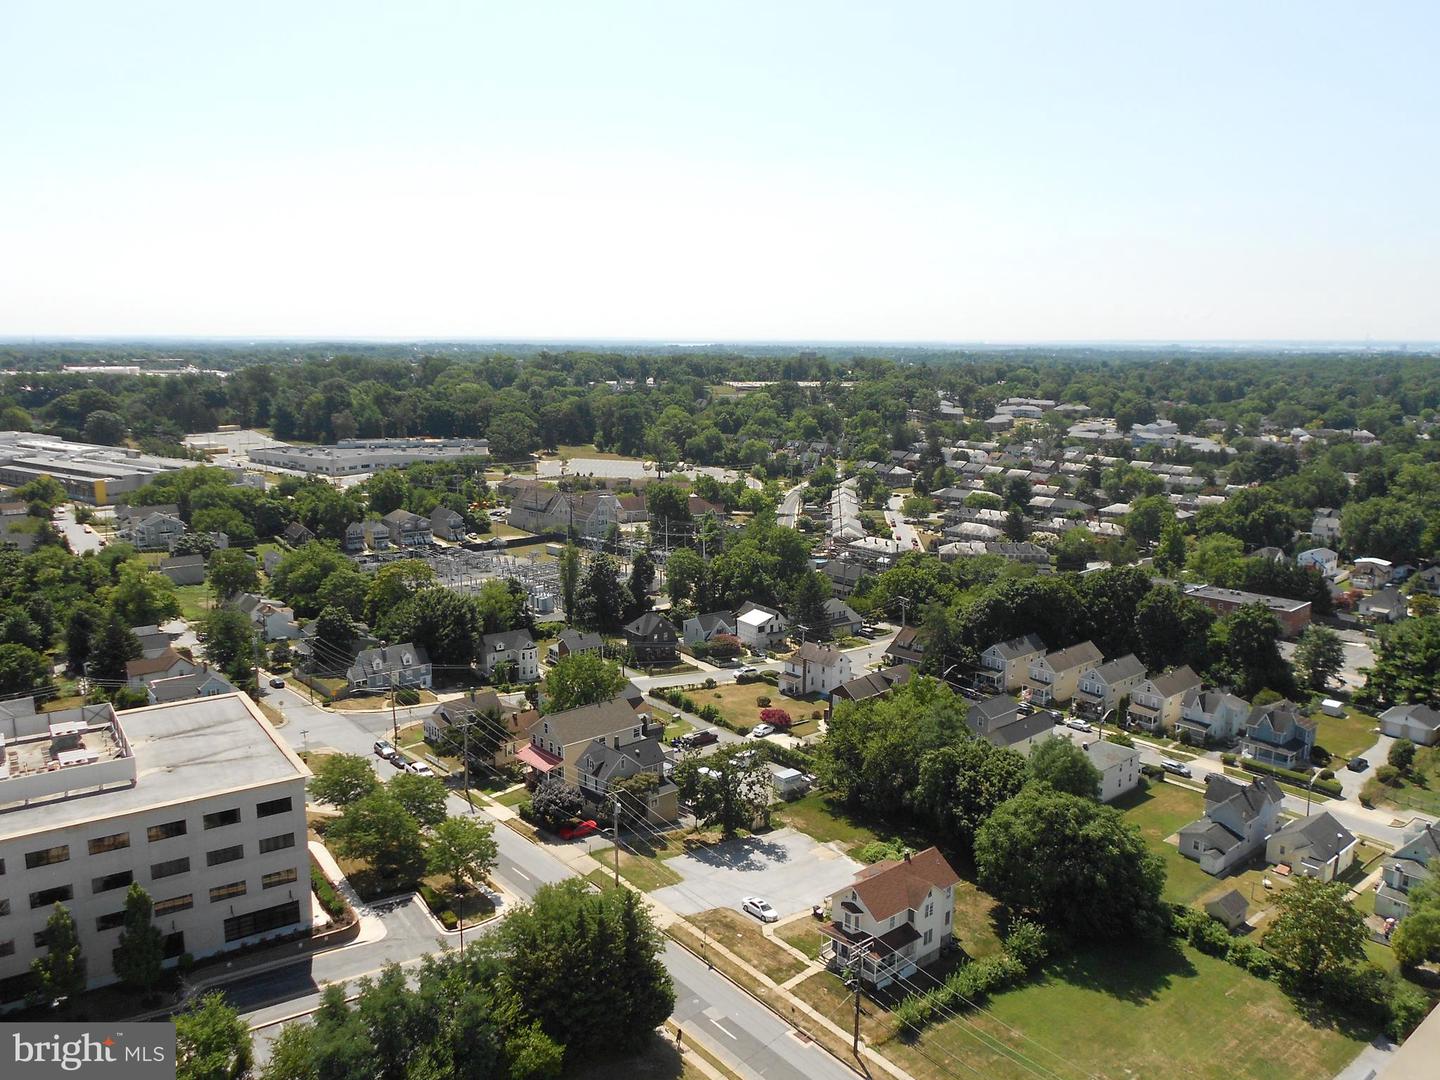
(723, 1028)
(517, 870)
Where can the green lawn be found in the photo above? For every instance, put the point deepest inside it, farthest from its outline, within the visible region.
(513, 798)
(1345, 736)
(827, 820)
(1138, 1011)
(194, 601)
(1419, 790)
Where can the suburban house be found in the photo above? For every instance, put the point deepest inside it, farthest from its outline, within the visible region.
(407, 529)
(1409, 866)
(992, 713)
(844, 576)
(907, 647)
(840, 619)
(1003, 667)
(1156, 704)
(1317, 846)
(1418, 723)
(699, 629)
(558, 739)
(1278, 735)
(297, 535)
(571, 642)
(152, 532)
(1100, 689)
(1052, 678)
(515, 648)
(1230, 908)
(481, 720)
(354, 537)
(377, 535)
(1119, 767)
(184, 569)
(276, 621)
(871, 685)
(153, 640)
(1387, 605)
(204, 683)
(652, 639)
(401, 667)
(1238, 818)
(999, 721)
(447, 524)
(537, 508)
(1427, 581)
(1372, 573)
(601, 765)
(1325, 524)
(759, 627)
(632, 509)
(140, 673)
(894, 917)
(1211, 716)
(814, 669)
(1325, 560)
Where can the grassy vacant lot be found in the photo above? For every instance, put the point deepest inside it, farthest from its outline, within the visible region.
(801, 934)
(828, 820)
(742, 935)
(1419, 790)
(1346, 736)
(1160, 811)
(739, 704)
(643, 865)
(194, 601)
(1147, 1012)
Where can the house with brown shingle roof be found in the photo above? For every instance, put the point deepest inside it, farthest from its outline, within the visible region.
(140, 673)
(895, 916)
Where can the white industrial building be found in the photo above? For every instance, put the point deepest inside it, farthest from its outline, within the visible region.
(198, 801)
(88, 473)
(351, 457)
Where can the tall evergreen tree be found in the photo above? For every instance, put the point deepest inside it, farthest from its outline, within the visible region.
(60, 973)
(141, 948)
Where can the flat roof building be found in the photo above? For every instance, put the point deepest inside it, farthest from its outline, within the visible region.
(91, 474)
(350, 457)
(198, 801)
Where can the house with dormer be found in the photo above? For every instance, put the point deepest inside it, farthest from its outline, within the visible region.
(557, 740)
(407, 529)
(652, 639)
(814, 669)
(1415, 860)
(1100, 690)
(1005, 666)
(895, 917)
(1277, 734)
(572, 642)
(400, 667)
(699, 629)
(1053, 678)
(512, 656)
(1317, 846)
(1211, 716)
(1156, 704)
(600, 766)
(1238, 818)
(493, 731)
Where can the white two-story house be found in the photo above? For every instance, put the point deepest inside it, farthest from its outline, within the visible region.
(1414, 861)
(814, 669)
(1100, 689)
(1211, 716)
(513, 654)
(894, 917)
(760, 627)
(1238, 819)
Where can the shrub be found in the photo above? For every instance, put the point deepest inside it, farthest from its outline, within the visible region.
(775, 717)
(1028, 943)
(742, 680)
(1228, 759)
(1293, 776)
(763, 701)
(1252, 958)
(526, 811)
(1402, 754)
(710, 684)
(1152, 771)
(1327, 774)
(330, 900)
(1387, 774)
(407, 697)
(880, 850)
(1408, 1006)
(710, 714)
(1120, 738)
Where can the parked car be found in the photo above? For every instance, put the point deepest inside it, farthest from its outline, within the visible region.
(759, 731)
(278, 683)
(760, 908)
(869, 631)
(1179, 768)
(419, 768)
(1078, 724)
(399, 760)
(576, 829)
(746, 669)
(384, 747)
(696, 738)
(1357, 764)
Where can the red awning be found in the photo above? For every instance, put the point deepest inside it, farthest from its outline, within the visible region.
(536, 758)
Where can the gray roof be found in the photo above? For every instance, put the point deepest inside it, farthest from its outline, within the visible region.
(604, 762)
(1419, 714)
(508, 642)
(713, 620)
(1251, 797)
(1018, 647)
(651, 625)
(390, 657)
(591, 721)
(1065, 659)
(1232, 903)
(1175, 681)
(837, 610)
(994, 711)
(180, 687)
(1126, 667)
(814, 653)
(1214, 834)
(1321, 833)
(1026, 727)
(576, 641)
(1105, 754)
(874, 683)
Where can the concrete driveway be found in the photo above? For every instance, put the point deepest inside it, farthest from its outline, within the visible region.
(786, 867)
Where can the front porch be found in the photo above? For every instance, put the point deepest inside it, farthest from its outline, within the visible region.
(1146, 718)
(878, 961)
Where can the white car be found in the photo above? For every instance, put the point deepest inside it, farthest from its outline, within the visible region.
(1179, 768)
(419, 768)
(759, 731)
(761, 909)
(746, 669)
(1078, 724)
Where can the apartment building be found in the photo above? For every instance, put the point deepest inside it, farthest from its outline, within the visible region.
(198, 801)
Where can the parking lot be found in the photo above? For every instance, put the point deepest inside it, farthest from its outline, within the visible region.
(786, 867)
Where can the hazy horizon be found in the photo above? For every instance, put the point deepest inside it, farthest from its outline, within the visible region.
(933, 175)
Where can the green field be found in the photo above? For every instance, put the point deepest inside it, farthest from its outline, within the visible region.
(1345, 736)
(194, 601)
(1418, 790)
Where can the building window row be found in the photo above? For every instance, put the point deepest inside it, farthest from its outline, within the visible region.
(227, 892)
(224, 855)
(277, 843)
(262, 921)
(273, 807)
(112, 881)
(288, 876)
(174, 904)
(169, 868)
(221, 818)
(112, 921)
(47, 856)
(46, 897)
(165, 831)
(113, 842)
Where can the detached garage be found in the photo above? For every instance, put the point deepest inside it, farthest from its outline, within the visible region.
(1418, 723)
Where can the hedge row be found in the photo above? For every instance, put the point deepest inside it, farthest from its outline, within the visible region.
(1294, 776)
(333, 903)
(962, 990)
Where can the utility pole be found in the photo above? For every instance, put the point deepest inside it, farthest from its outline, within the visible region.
(855, 1037)
(617, 839)
(465, 772)
(904, 607)
(394, 721)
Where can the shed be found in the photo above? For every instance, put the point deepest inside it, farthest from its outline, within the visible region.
(1230, 909)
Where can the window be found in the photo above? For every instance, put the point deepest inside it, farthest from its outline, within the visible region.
(221, 818)
(47, 856)
(273, 807)
(170, 867)
(112, 881)
(225, 892)
(4, 908)
(892, 923)
(113, 842)
(174, 904)
(166, 831)
(279, 877)
(224, 855)
(110, 922)
(929, 936)
(46, 897)
(262, 921)
(7, 948)
(929, 908)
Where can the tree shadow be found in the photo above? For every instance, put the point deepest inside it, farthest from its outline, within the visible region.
(747, 853)
(1136, 973)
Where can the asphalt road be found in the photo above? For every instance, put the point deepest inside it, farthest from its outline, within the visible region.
(80, 541)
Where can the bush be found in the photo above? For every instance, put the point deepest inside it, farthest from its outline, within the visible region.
(1327, 774)
(407, 697)
(763, 701)
(1228, 759)
(1402, 754)
(775, 717)
(742, 680)
(880, 850)
(526, 811)
(710, 684)
(1293, 776)
(1388, 775)
(1028, 943)
(1152, 771)
(1252, 958)
(330, 900)
(1120, 738)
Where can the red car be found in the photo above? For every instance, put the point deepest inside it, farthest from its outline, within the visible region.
(577, 829)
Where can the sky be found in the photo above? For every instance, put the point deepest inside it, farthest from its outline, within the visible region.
(790, 171)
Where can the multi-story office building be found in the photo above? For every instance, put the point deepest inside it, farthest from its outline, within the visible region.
(198, 801)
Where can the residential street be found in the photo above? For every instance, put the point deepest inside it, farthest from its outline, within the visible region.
(789, 509)
(895, 518)
(80, 541)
